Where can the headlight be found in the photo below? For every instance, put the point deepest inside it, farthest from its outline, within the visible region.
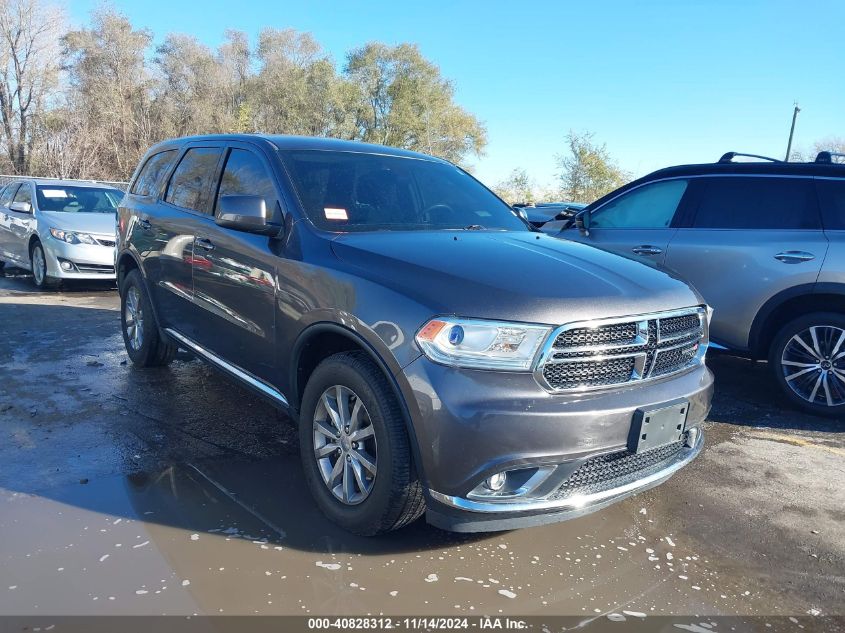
(481, 344)
(72, 238)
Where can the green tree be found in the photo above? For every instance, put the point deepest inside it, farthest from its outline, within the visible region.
(296, 88)
(191, 90)
(518, 187)
(402, 100)
(587, 171)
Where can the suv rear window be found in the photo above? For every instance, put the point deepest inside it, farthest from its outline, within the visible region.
(190, 182)
(351, 191)
(741, 202)
(146, 184)
(832, 199)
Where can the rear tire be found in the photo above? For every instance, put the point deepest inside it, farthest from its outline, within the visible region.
(38, 264)
(807, 358)
(386, 494)
(144, 344)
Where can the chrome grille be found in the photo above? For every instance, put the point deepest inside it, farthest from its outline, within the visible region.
(609, 372)
(617, 333)
(616, 469)
(679, 325)
(668, 360)
(95, 268)
(591, 355)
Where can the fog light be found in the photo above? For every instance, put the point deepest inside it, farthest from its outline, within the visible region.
(496, 482)
(65, 264)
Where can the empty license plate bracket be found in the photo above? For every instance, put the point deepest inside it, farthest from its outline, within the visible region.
(655, 427)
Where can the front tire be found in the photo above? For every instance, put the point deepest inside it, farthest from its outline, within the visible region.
(355, 449)
(144, 344)
(38, 264)
(807, 358)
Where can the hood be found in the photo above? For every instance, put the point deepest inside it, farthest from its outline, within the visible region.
(96, 223)
(520, 276)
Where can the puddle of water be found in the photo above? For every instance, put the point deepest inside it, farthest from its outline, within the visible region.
(245, 538)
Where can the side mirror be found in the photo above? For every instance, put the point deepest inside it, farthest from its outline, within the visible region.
(582, 221)
(521, 212)
(245, 213)
(21, 207)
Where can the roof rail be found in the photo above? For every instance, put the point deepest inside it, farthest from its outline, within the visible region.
(729, 156)
(827, 157)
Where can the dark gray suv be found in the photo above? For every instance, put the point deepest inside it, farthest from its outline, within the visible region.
(390, 303)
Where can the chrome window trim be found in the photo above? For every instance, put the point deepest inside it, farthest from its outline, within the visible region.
(234, 370)
(640, 374)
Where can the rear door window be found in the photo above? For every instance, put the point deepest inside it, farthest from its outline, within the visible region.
(741, 202)
(832, 199)
(245, 175)
(147, 182)
(651, 206)
(189, 185)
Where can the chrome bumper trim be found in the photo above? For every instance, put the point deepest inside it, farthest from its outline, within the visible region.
(577, 502)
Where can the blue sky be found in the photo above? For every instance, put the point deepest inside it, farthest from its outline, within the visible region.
(660, 82)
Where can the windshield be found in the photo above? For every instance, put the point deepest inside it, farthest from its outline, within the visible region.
(349, 191)
(73, 199)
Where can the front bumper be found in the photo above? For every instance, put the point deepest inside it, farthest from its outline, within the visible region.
(467, 515)
(471, 424)
(87, 261)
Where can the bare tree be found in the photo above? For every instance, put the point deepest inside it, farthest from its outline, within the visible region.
(107, 68)
(29, 68)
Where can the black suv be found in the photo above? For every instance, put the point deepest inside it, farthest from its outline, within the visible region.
(763, 241)
(388, 301)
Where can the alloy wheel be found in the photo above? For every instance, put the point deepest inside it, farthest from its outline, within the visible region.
(133, 317)
(813, 365)
(39, 265)
(345, 445)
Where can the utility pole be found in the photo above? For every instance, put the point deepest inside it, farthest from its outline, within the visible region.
(792, 131)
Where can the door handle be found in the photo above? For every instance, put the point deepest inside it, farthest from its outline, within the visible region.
(145, 224)
(794, 257)
(204, 244)
(645, 249)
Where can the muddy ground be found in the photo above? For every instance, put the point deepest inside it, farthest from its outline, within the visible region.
(175, 491)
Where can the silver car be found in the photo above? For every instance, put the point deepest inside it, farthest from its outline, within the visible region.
(763, 243)
(59, 229)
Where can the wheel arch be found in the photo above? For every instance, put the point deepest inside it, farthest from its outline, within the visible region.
(32, 241)
(790, 304)
(323, 339)
(126, 262)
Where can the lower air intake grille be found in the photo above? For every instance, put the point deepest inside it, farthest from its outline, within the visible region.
(616, 469)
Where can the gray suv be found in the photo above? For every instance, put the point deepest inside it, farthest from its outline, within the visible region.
(380, 297)
(764, 243)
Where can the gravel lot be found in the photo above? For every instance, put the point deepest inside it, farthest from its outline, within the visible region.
(176, 491)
